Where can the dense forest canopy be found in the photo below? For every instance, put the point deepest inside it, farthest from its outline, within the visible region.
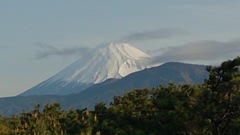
(212, 108)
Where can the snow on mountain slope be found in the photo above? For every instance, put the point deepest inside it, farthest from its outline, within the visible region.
(102, 63)
(111, 61)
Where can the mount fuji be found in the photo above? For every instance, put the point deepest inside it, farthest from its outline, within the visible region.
(102, 63)
(88, 81)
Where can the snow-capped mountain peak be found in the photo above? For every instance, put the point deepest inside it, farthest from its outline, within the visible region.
(102, 63)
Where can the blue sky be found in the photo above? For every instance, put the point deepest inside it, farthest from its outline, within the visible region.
(39, 38)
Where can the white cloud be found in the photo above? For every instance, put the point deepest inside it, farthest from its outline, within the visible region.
(200, 51)
(153, 34)
(49, 51)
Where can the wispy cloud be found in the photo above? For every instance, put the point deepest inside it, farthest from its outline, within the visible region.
(49, 51)
(200, 51)
(153, 34)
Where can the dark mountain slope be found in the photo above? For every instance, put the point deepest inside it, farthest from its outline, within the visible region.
(178, 73)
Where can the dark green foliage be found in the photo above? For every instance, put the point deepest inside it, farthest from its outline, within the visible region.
(52, 121)
(212, 108)
(219, 102)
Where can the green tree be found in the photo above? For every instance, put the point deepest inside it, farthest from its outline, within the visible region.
(73, 122)
(32, 122)
(51, 116)
(172, 109)
(219, 103)
(3, 127)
